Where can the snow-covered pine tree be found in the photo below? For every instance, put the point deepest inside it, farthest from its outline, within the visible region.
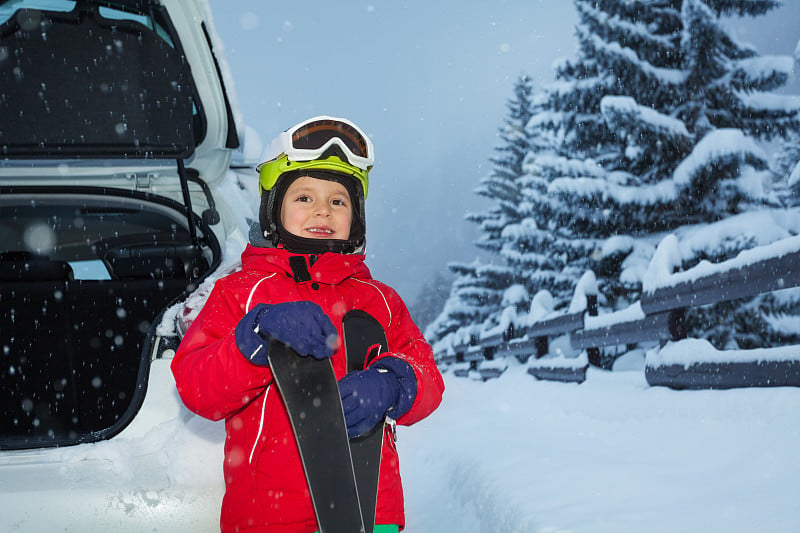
(529, 249)
(576, 200)
(780, 312)
(658, 118)
(430, 299)
(789, 158)
(478, 289)
(501, 185)
(475, 295)
(653, 128)
(787, 167)
(551, 255)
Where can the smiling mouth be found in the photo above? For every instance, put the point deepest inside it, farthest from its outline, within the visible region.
(320, 233)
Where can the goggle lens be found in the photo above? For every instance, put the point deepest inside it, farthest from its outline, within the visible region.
(314, 135)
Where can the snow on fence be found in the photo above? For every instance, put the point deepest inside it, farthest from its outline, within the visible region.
(658, 316)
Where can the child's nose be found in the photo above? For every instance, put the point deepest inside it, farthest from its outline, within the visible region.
(323, 209)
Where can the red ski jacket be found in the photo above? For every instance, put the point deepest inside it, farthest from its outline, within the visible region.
(266, 489)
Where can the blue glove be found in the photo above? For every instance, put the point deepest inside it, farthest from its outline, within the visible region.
(387, 387)
(303, 326)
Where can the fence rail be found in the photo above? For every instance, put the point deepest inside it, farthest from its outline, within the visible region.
(669, 325)
(661, 318)
(739, 282)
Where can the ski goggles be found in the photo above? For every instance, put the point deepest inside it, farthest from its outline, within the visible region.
(310, 139)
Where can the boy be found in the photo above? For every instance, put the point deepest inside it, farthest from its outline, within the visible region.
(300, 275)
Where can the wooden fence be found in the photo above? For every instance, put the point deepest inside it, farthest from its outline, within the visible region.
(658, 316)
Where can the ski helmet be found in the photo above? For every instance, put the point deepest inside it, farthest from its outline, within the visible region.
(322, 147)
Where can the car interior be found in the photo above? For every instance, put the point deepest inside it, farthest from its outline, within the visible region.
(85, 270)
(77, 310)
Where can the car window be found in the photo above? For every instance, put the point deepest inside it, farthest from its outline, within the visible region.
(10, 7)
(91, 269)
(141, 56)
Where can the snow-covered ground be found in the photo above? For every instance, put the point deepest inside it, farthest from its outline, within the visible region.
(609, 455)
(512, 454)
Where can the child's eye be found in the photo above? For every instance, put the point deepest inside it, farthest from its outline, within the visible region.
(303, 198)
(338, 201)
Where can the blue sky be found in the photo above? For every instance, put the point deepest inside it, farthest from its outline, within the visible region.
(428, 81)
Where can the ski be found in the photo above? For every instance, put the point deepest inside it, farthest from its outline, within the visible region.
(342, 475)
(364, 339)
(311, 396)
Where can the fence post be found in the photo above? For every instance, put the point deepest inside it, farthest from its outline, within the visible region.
(677, 324)
(542, 347)
(591, 307)
(488, 353)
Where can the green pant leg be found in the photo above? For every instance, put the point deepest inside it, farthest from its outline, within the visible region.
(385, 528)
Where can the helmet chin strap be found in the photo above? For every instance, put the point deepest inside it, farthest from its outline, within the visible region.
(303, 245)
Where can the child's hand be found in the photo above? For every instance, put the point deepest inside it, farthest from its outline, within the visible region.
(388, 387)
(303, 326)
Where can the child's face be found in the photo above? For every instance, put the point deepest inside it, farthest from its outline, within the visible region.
(317, 209)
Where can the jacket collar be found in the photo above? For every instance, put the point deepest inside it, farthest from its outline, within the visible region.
(329, 268)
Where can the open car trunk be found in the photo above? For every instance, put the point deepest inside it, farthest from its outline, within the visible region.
(75, 321)
(90, 254)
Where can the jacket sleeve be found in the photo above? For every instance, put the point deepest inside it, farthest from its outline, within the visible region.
(213, 379)
(406, 342)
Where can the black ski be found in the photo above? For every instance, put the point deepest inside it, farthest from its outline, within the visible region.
(342, 476)
(364, 338)
(311, 395)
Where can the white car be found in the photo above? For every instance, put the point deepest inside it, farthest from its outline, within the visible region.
(117, 202)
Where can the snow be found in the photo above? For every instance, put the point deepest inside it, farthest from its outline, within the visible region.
(767, 101)
(164, 468)
(507, 317)
(755, 228)
(587, 286)
(617, 244)
(794, 177)
(622, 111)
(781, 323)
(717, 144)
(515, 454)
(634, 267)
(563, 165)
(665, 256)
(541, 305)
(609, 455)
(561, 356)
(665, 76)
(766, 66)
(515, 295)
(689, 351)
(665, 261)
(631, 313)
